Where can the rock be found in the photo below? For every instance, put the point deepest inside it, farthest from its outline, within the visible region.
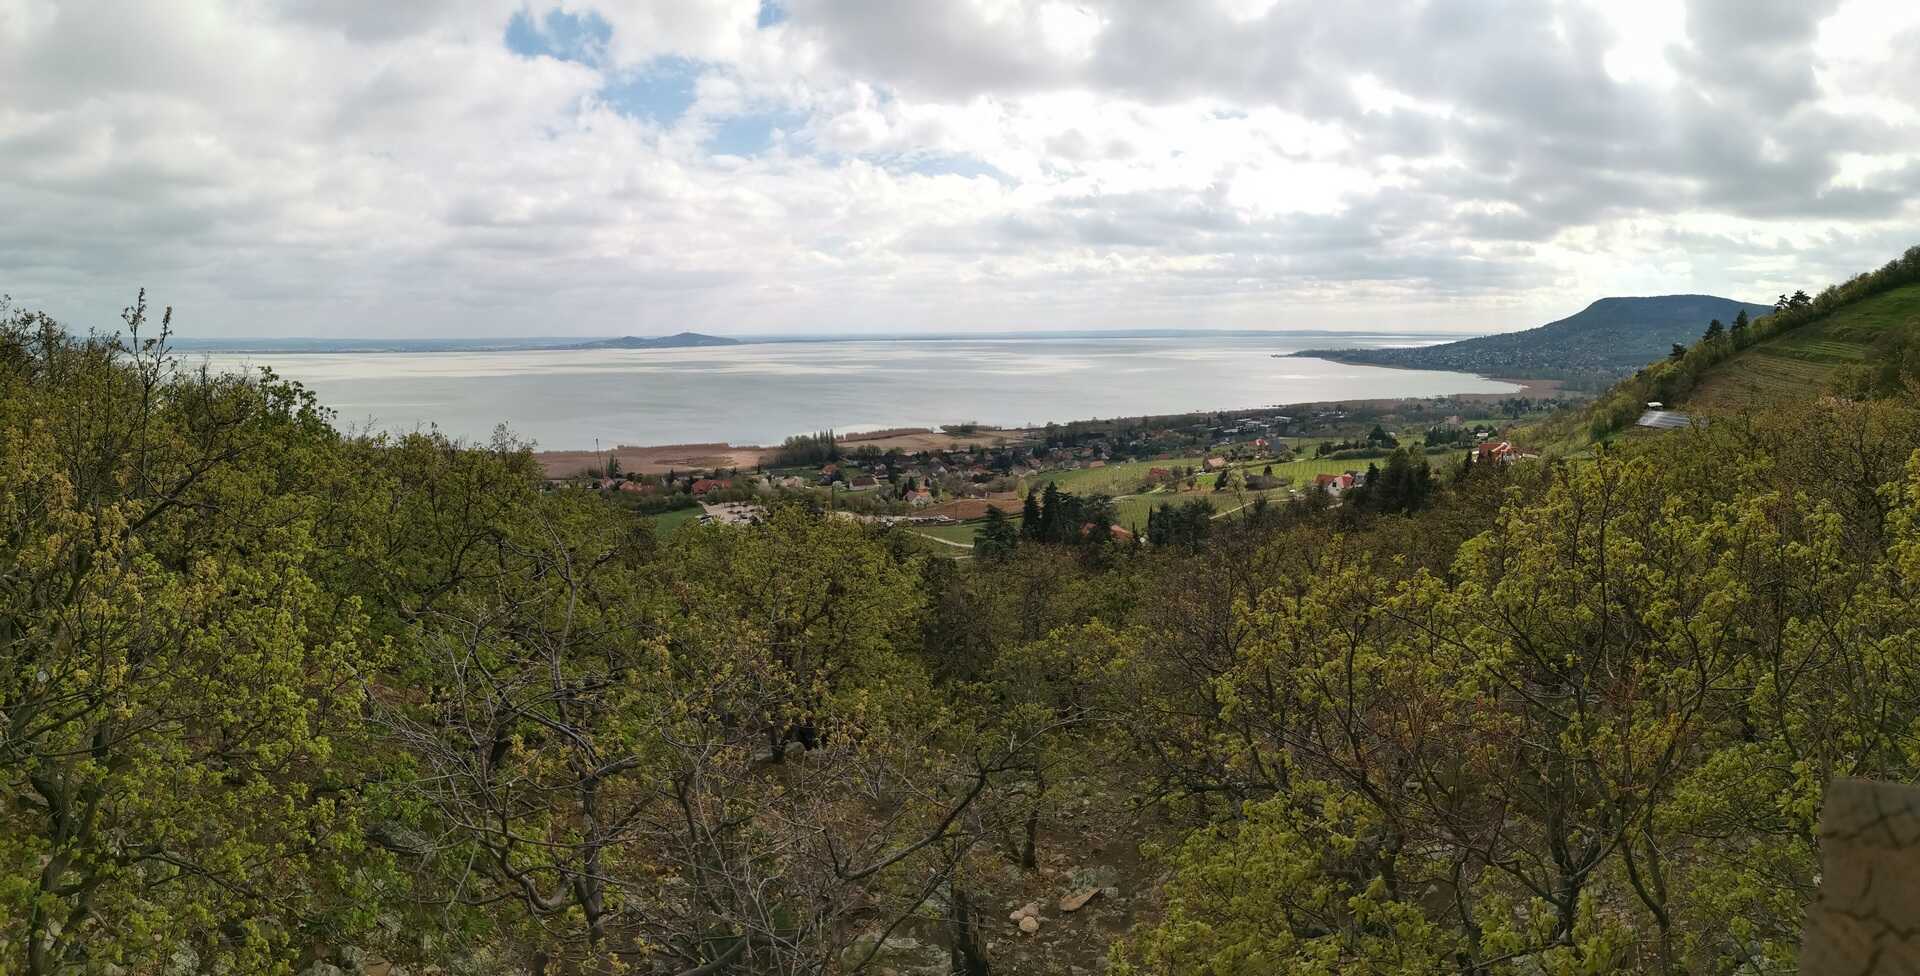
(1073, 901)
(1111, 891)
(902, 954)
(1016, 915)
(1867, 918)
(1029, 925)
(1093, 876)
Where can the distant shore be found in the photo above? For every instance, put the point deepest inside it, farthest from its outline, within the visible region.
(663, 458)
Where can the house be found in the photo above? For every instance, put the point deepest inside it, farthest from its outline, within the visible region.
(1334, 484)
(1096, 464)
(1159, 474)
(920, 498)
(1501, 452)
(829, 470)
(637, 488)
(1216, 464)
(865, 482)
(704, 485)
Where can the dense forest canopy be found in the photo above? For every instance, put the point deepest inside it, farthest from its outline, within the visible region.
(273, 698)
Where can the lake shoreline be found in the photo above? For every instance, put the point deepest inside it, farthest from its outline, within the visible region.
(656, 459)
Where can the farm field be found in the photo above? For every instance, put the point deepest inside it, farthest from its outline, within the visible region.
(1114, 479)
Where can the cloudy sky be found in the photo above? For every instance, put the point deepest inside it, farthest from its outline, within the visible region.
(447, 167)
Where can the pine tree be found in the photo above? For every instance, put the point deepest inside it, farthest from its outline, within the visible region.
(1714, 331)
(1030, 515)
(997, 539)
(1052, 512)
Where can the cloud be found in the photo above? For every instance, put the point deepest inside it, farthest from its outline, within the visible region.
(571, 166)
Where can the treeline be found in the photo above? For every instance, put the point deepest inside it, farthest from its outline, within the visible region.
(274, 699)
(808, 449)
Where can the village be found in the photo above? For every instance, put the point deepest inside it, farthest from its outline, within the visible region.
(943, 492)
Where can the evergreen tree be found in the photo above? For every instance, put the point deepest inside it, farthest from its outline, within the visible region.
(1740, 323)
(997, 539)
(1714, 331)
(1051, 514)
(1030, 515)
(1679, 352)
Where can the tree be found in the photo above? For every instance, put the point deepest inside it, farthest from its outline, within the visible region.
(1679, 352)
(1030, 525)
(1740, 323)
(996, 539)
(178, 680)
(1053, 521)
(1714, 331)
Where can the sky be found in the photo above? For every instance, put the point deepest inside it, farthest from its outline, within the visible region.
(441, 168)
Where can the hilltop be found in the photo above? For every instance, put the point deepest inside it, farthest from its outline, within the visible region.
(679, 340)
(1612, 336)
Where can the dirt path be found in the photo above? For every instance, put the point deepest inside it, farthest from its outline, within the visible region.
(945, 542)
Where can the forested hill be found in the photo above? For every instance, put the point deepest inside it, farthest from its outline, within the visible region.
(1610, 336)
(679, 340)
(276, 698)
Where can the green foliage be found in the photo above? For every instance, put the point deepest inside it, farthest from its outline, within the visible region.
(269, 694)
(808, 449)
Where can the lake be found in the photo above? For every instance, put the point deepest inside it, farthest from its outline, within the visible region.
(760, 393)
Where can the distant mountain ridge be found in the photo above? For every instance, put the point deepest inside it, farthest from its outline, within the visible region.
(1610, 336)
(679, 340)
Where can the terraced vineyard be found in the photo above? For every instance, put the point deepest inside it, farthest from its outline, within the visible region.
(1804, 362)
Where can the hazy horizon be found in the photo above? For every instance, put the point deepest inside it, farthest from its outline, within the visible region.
(756, 393)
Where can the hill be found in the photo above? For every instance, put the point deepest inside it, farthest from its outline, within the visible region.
(679, 340)
(1820, 357)
(1612, 336)
(1860, 338)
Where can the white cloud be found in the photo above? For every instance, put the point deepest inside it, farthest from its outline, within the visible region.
(352, 167)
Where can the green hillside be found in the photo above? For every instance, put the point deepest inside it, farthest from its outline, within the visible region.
(1860, 338)
(1609, 338)
(1811, 360)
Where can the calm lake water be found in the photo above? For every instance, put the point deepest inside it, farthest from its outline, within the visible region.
(762, 392)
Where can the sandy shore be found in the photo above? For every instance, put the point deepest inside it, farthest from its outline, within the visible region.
(660, 459)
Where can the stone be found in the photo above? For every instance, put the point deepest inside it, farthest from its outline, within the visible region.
(1074, 901)
(1029, 924)
(1867, 918)
(1093, 876)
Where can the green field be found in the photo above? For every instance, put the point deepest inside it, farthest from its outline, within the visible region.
(1114, 479)
(666, 523)
(1802, 363)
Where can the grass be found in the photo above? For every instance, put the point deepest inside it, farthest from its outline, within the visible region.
(1803, 362)
(1114, 479)
(962, 533)
(666, 523)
